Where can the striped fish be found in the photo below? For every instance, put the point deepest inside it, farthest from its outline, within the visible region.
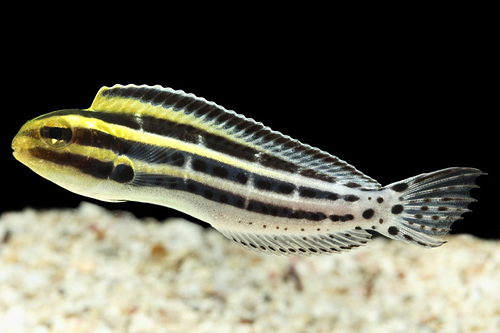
(259, 188)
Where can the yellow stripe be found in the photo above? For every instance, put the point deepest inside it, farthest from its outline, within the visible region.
(136, 107)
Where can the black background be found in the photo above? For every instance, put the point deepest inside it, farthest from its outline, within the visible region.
(391, 103)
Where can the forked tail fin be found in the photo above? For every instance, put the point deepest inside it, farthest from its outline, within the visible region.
(427, 205)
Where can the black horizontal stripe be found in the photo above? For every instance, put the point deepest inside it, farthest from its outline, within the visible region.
(191, 186)
(163, 155)
(282, 211)
(167, 128)
(191, 134)
(308, 192)
(341, 218)
(106, 170)
(272, 185)
(121, 119)
(87, 165)
(223, 197)
(219, 170)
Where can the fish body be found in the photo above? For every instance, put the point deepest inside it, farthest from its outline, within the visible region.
(260, 188)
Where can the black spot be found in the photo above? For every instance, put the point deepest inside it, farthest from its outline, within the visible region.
(208, 194)
(332, 196)
(343, 218)
(283, 211)
(277, 163)
(351, 198)
(419, 216)
(408, 237)
(393, 230)
(242, 178)
(239, 203)
(347, 217)
(380, 200)
(192, 188)
(285, 189)
(199, 165)
(122, 173)
(316, 216)
(263, 184)
(424, 208)
(400, 187)
(368, 214)
(352, 185)
(177, 159)
(307, 193)
(397, 209)
(223, 198)
(443, 209)
(220, 172)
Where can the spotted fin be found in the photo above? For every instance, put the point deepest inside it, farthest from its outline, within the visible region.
(428, 204)
(207, 119)
(287, 245)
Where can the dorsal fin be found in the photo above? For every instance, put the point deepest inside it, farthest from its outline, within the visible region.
(187, 109)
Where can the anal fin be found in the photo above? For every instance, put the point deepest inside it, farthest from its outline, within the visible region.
(304, 245)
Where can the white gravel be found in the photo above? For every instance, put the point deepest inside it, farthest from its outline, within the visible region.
(90, 270)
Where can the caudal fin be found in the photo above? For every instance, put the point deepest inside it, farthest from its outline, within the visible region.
(426, 205)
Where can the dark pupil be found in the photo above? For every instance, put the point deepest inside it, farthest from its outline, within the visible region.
(56, 133)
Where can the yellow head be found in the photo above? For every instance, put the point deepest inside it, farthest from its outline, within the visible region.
(76, 151)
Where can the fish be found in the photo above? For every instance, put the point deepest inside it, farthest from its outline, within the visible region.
(261, 189)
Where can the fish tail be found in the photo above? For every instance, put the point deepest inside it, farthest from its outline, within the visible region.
(425, 206)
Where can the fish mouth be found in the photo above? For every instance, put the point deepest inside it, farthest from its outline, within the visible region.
(19, 152)
(15, 147)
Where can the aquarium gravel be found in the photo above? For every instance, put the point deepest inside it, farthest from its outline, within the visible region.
(91, 270)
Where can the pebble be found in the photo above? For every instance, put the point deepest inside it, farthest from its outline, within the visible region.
(92, 270)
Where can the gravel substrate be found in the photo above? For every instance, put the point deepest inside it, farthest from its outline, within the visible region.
(90, 270)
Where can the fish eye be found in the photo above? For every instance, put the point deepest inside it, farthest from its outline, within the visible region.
(56, 135)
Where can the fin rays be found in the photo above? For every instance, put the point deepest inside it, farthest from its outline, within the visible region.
(210, 117)
(299, 245)
(429, 204)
